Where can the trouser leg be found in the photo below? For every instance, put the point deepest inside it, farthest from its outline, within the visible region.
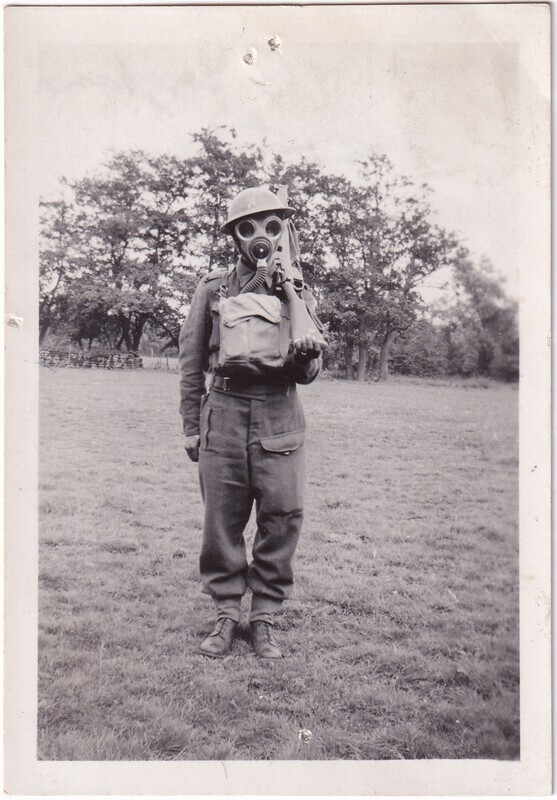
(263, 608)
(225, 487)
(278, 482)
(223, 564)
(228, 607)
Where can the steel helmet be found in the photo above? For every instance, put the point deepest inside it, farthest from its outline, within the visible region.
(253, 201)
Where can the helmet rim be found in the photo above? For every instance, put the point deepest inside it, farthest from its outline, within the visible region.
(268, 202)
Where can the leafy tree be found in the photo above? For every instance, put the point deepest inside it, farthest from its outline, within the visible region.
(384, 245)
(119, 258)
(133, 227)
(481, 326)
(421, 350)
(56, 261)
(131, 244)
(218, 172)
(124, 251)
(308, 195)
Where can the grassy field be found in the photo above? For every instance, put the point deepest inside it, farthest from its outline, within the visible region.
(401, 641)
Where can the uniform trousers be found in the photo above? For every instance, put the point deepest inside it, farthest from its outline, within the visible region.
(251, 451)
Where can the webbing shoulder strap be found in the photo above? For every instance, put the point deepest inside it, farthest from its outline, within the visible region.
(224, 290)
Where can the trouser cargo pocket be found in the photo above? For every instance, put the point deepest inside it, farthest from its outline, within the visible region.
(283, 443)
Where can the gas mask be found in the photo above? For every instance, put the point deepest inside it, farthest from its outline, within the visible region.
(257, 237)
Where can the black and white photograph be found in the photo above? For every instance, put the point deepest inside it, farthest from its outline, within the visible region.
(278, 487)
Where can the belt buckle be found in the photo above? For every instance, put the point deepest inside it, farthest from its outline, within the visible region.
(226, 384)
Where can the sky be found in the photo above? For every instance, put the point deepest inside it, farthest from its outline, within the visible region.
(442, 91)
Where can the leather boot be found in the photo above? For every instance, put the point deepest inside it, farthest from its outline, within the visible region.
(219, 642)
(263, 640)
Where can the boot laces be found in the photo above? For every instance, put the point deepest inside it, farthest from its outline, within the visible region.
(219, 626)
(266, 627)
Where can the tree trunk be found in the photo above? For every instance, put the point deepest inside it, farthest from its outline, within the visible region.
(45, 318)
(173, 338)
(138, 331)
(43, 330)
(348, 359)
(124, 321)
(362, 351)
(383, 373)
(362, 362)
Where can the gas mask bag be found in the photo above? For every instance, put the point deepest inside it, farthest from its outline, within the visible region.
(254, 335)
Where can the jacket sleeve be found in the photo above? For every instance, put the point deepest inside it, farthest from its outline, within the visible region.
(193, 358)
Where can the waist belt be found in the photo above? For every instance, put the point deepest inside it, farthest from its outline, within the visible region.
(252, 386)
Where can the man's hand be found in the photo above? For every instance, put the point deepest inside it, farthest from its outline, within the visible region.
(192, 447)
(309, 346)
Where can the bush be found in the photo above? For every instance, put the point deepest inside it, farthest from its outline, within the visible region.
(421, 351)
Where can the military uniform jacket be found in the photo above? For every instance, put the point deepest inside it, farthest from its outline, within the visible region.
(200, 337)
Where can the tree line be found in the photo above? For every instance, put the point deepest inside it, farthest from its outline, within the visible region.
(122, 253)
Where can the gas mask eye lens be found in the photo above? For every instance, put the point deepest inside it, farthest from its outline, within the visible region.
(245, 229)
(273, 227)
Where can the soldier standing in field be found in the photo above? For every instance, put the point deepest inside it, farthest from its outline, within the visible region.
(243, 348)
